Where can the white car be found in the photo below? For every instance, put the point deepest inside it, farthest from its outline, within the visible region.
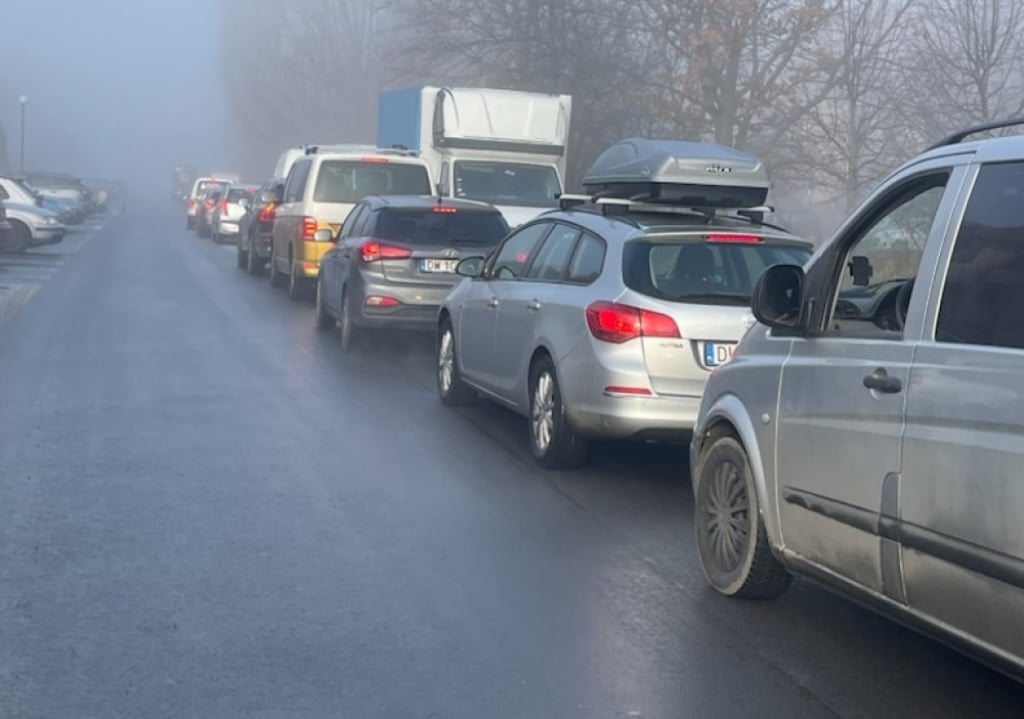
(31, 226)
(226, 217)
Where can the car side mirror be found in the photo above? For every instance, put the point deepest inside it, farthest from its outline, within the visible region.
(779, 297)
(470, 267)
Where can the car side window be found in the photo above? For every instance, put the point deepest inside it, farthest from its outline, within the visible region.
(881, 261)
(515, 254)
(981, 301)
(587, 261)
(552, 259)
(354, 218)
(296, 185)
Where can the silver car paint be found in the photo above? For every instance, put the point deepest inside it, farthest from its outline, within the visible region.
(943, 457)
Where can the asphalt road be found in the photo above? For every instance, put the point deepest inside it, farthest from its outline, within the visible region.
(206, 510)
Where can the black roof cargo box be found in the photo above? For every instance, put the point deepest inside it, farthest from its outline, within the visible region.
(679, 172)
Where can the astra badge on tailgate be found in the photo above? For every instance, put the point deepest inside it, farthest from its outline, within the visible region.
(717, 169)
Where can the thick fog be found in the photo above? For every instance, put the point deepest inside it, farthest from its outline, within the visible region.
(115, 88)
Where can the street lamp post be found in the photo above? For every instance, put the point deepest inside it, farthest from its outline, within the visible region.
(23, 101)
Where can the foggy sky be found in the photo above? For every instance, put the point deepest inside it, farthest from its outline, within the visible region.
(116, 88)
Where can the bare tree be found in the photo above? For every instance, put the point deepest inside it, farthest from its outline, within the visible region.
(850, 139)
(742, 72)
(966, 64)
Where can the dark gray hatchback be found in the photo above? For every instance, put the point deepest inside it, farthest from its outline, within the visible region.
(394, 261)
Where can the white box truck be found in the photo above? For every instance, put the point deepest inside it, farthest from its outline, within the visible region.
(504, 147)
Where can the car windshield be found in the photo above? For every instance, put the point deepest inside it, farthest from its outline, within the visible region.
(241, 193)
(441, 226)
(507, 183)
(348, 181)
(702, 272)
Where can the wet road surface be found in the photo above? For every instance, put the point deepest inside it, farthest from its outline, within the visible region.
(207, 510)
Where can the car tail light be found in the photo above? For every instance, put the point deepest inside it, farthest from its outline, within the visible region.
(375, 159)
(309, 227)
(208, 204)
(224, 206)
(637, 391)
(445, 209)
(377, 301)
(191, 204)
(267, 213)
(376, 250)
(734, 237)
(617, 323)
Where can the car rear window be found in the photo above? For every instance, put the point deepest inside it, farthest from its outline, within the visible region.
(440, 226)
(237, 193)
(352, 180)
(702, 272)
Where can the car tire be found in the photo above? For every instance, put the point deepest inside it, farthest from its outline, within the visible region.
(253, 264)
(241, 257)
(347, 330)
(297, 286)
(555, 444)
(17, 239)
(732, 543)
(450, 387)
(324, 320)
(277, 278)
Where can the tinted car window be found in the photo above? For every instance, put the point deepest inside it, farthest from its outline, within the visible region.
(351, 180)
(553, 257)
(296, 185)
(982, 303)
(439, 225)
(237, 193)
(515, 254)
(711, 273)
(587, 260)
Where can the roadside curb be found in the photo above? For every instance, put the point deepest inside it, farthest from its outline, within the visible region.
(12, 297)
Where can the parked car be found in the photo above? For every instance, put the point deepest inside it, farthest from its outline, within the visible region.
(256, 226)
(228, 212)
(14, 190)
(31, 226)
(5, 228)
(605, 319)
(61, 185)
(394, 262)
(320, 191)
(869, 433)
(206, 205)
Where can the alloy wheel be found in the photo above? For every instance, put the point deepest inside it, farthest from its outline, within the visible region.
(542, 417)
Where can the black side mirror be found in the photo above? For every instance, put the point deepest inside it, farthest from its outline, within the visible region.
(779, 297)
(470, 267)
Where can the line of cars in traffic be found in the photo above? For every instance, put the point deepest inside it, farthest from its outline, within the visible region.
(36, 209)
(853, 412)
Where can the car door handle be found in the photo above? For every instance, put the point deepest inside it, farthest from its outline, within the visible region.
(880, 381)
(493, 302)
(534, 305)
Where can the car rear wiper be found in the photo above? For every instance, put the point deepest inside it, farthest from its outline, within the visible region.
(711, 296)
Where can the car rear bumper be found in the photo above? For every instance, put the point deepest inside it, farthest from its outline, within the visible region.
(417, 309)
(227, 227)
(626, 417)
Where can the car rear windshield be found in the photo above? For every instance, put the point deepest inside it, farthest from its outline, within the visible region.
(238, 193)
(702, 272)
(436, 226)
(352, 180)
(507, 183)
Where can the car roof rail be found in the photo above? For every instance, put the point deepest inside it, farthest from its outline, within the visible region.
(960, 135)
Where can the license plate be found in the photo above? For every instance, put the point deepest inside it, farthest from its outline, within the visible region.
(717, 353)
(442, 266)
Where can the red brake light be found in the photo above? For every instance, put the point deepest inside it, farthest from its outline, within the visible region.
(376, 250)
(734, 237)
(617, 389)
(613, 322)
(267, 213)
(224, 206)
(309, 227)
(378, 301)
(446, 210)
(375, 159)
(208, 204)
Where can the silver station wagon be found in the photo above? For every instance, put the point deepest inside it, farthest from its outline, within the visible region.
(870, 432)
(604, 319)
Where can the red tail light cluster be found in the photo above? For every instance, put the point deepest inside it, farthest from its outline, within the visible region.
(618, 323)
(191, 204)
(309, 227)
(377, 250)
(268, 211)
(208, 204)
(224, 206)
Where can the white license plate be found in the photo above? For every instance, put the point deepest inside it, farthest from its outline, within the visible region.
(443, 266)
(717, 353)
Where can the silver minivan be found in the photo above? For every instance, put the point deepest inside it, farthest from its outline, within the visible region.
(869, 432)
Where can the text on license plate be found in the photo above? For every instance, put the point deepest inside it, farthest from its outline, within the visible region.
(446, 266)
(717, 353)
